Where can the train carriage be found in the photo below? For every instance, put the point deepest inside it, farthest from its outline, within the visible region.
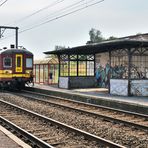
(16, 68)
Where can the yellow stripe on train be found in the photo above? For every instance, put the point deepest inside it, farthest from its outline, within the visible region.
(14, 75)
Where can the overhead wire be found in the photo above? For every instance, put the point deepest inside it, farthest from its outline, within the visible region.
(36, 12)
(32, 14)
(61, 16)
(54, 14)
(3, 2)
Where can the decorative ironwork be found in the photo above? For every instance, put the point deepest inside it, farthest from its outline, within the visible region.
(90, 57)
(73, 57)
(119, 64)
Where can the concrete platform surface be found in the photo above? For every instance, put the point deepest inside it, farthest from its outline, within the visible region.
(97, 93)
(8, 140)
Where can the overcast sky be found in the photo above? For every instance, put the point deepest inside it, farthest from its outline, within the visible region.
(112, 17)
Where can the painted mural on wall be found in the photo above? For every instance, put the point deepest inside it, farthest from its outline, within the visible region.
(104, 71)
(103, 74)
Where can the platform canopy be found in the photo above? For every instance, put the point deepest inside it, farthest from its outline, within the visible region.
(102, 47)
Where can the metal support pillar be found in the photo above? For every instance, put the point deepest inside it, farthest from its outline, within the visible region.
(16, 33)
(109, 71)
(129, 72)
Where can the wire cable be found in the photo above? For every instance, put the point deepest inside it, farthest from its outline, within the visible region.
(36, 12)
(3, 3)
(61, 16)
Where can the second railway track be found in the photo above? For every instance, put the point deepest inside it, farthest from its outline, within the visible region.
(51, 131)
(118, 133)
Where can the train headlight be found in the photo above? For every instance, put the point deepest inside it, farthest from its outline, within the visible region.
(8, 71)
(28, 71)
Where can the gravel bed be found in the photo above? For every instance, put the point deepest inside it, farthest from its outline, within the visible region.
(55, 136)
(117, 133)
(101, 111)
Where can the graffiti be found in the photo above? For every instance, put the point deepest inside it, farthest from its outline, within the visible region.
(103, 74)
(119, 72)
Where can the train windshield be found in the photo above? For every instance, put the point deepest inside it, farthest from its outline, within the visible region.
(7, 62)
(29, 63)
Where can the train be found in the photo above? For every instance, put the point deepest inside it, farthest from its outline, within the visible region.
(16, 68)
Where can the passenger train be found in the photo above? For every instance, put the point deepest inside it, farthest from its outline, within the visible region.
(16, 68)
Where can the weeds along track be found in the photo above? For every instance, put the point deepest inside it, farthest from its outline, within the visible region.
(128, 136)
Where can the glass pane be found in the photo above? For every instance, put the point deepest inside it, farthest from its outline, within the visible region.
(7, 62)
(46, 74)
(64, 69)
(73, 57)
(82, 57)
(73, 68)
(82, 68)
(90, 68)
(29, 62)
(37, 73)
(18, 61)
(41, 73)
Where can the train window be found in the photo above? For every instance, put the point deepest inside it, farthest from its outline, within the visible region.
(18, 61)
(7, 62)
(29, 63)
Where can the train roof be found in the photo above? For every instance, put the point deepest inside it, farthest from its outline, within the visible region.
(11, 51)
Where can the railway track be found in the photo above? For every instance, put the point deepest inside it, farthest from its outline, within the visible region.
(108, 129)
(44, 130)
(139, 121)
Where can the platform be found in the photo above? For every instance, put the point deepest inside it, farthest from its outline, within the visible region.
(8, 140)
(97, 92)
(99, 96)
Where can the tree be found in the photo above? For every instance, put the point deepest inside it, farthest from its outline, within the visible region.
(95, 36)
(57, 47)
(111, 38)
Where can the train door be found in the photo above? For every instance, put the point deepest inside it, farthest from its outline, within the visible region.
(19, 63)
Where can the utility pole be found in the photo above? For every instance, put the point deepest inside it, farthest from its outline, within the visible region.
(2, 30)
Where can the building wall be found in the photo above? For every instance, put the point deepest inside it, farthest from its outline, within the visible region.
(82, 82)
(119, 87)
(139, 87)
(77, 82)
(64, 82)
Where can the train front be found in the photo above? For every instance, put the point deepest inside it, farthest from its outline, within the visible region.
(16, 68)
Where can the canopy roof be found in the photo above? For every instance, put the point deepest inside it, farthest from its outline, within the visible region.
(47, 61)
(102, 47)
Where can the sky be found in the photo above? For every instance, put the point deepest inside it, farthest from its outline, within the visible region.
(44, 25)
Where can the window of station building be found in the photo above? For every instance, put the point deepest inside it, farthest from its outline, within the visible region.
(119, 64)
(73, 65)
(37, 76)
(64, 65)
(29, 62)
(77, 65)
(7, 62)
(73, 68)
(90, 68)
(82, 68)
(139, 67)
(139, 63)
(64, 68)
(90, 65)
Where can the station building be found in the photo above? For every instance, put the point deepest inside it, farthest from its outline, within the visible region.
(46, 71)
(120, 65)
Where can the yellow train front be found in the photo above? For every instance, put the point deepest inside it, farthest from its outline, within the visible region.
(16, 68)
